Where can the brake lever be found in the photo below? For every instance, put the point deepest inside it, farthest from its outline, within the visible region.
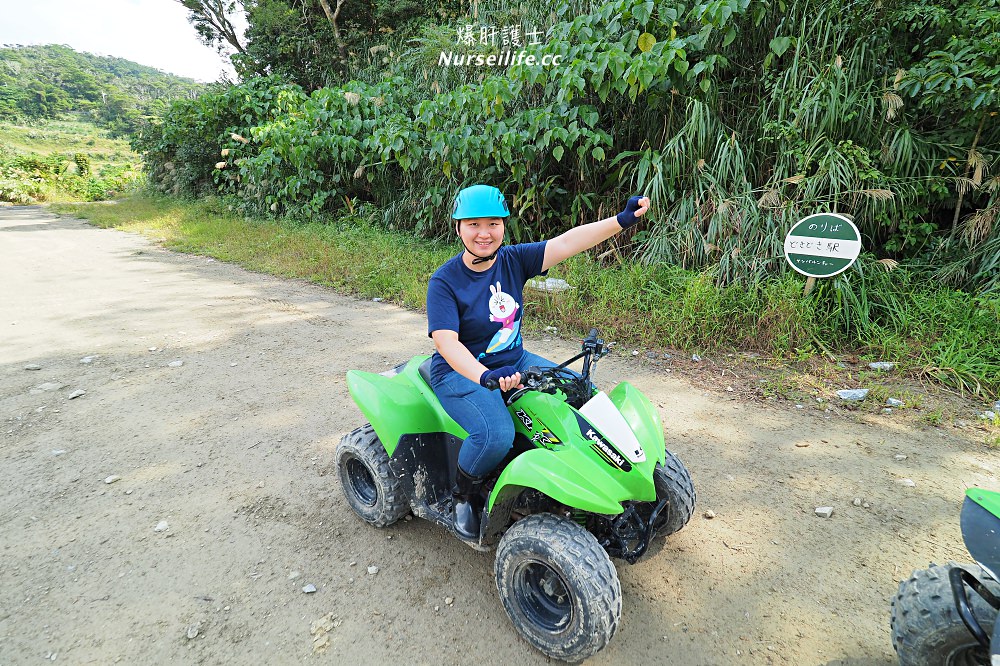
(514, 395)
(533, 379)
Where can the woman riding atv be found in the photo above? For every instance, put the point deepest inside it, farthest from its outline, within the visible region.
(474, 317)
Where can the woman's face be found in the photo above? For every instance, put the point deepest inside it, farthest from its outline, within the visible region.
(481, 236)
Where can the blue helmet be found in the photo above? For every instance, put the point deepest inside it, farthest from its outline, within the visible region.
(480, 201)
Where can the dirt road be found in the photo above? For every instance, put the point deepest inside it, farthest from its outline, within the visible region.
(175, 511)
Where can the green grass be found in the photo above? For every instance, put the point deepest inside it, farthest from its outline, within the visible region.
(67, 137)
(935, 417)
(937, 333)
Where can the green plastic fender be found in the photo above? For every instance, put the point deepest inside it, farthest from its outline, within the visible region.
(400, 405)
(988, 499)
(560, 479)
(642, 418)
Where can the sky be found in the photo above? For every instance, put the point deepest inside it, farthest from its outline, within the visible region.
(155, 33)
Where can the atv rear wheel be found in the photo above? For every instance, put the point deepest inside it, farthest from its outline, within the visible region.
(926, 627)
(369, 485)
(558, 586)
(673, 482)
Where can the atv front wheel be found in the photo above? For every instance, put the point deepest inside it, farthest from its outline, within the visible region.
(926, 627)
(371, 489)
(673, 483)
(558, 586)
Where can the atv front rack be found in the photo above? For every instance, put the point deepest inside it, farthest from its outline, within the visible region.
(628, 535)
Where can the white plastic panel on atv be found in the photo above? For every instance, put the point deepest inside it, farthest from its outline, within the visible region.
(603, 413)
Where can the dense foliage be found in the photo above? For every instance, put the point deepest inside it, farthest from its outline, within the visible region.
(44, 82)
(737, 116)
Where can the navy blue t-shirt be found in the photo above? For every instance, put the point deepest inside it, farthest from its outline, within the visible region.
(484, 308)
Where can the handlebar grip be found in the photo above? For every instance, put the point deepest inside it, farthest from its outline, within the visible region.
(491, 384)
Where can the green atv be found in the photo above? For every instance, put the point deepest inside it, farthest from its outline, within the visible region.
(934, 618)
(588, 479)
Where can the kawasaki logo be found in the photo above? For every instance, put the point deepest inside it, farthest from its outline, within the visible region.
(525, 419)
(602, 448)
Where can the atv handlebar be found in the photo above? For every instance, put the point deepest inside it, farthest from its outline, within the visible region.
(578, 388)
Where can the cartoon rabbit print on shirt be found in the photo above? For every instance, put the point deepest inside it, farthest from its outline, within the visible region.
(503, 309)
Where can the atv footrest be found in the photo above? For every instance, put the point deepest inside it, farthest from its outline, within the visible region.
(439, 512)
(630, 534)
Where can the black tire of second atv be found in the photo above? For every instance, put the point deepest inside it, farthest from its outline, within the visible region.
(362, 445)
(586, 572)
(673, 482)
(926, 627)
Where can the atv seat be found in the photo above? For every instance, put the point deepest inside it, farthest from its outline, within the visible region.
(425, 370)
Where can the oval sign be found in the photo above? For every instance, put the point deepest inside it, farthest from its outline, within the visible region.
(822, 245)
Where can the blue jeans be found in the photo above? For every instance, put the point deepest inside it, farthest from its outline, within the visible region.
(483, 414)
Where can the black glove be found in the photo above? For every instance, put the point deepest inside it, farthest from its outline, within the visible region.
(491, 378)
(627, 217)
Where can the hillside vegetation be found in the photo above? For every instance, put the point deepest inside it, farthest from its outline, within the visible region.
(737, 116)
(65, 119)
(45, 82)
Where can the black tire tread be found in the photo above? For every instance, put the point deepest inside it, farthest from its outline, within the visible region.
(585, 567)
(924, 621)
(679, 489)
(392, 504)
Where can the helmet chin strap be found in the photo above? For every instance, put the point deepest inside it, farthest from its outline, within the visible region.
(478, 259)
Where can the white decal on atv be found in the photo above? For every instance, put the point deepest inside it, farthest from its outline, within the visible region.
(525, 419)
(613, 455)
(605, 416)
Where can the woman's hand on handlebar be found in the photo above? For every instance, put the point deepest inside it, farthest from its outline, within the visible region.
(505, 378)
(511, 383)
